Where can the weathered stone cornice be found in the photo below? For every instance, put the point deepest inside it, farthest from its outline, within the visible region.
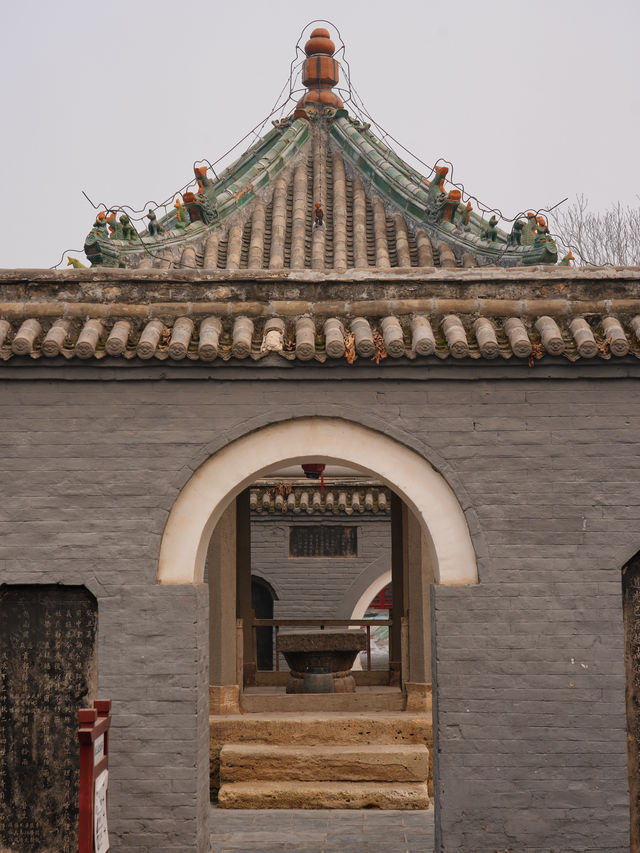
(315, 290)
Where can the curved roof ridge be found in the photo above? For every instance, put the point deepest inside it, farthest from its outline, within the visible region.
(425, 202)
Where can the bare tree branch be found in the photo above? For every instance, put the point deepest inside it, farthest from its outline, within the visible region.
(597, 239)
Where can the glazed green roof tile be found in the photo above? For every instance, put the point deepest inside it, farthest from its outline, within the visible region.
(318, 191)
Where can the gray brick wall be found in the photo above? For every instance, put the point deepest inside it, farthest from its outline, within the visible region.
(302, 589)
(530, 726)
(153, 664)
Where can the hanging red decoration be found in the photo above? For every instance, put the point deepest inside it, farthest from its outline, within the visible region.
(314, 471)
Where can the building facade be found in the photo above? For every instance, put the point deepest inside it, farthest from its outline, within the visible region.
(493, 393)
(348, 539)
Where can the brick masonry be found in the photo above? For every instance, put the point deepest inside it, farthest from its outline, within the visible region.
(529, 698)
(303, 590)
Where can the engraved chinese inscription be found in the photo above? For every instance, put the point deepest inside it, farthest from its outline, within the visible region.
(47, 672)
(631, 610)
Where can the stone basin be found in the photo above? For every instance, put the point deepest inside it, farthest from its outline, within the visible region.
(335, 650)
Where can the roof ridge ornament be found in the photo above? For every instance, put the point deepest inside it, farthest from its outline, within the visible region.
(320, 73)
(204, 228)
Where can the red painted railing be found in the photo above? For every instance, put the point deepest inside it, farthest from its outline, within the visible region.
(93, 734)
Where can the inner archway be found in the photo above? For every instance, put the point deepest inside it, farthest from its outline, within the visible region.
(376, 598)
(262, 598)
(374, 588)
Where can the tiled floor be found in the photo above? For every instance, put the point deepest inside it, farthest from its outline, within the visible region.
(321, 831)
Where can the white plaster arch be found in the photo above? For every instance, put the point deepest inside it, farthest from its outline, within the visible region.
(224, 475)
(365, 599)
(369, 594)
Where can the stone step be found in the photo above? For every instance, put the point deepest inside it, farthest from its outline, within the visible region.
(352, 762)
(321, 728)
(323, 795)
(317, 702)
(317, 729)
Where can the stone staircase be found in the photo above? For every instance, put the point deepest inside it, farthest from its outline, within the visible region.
(359, 702)
(324, 760)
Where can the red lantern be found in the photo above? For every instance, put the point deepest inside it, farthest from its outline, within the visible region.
(314, 471)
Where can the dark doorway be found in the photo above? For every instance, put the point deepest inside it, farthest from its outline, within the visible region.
(631, 610)
(262, 597)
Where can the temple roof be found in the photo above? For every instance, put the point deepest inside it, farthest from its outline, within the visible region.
(319, 191)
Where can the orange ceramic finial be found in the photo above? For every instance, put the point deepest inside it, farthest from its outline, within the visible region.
(319, 73)
(451, 204)
(320, 42)
(441, 174)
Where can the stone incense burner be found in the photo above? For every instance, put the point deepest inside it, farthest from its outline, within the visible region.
(336, 650)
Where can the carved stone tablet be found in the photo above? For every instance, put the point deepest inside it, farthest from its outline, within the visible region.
(631, 611)
(48, 670)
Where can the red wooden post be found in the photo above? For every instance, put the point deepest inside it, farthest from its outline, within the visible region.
(93, 734)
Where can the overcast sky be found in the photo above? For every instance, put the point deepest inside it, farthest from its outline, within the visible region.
(531, 101)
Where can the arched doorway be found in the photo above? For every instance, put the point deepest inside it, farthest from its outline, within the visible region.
(373, 589)
(439, 546)
(376, 600)
(435, 542)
